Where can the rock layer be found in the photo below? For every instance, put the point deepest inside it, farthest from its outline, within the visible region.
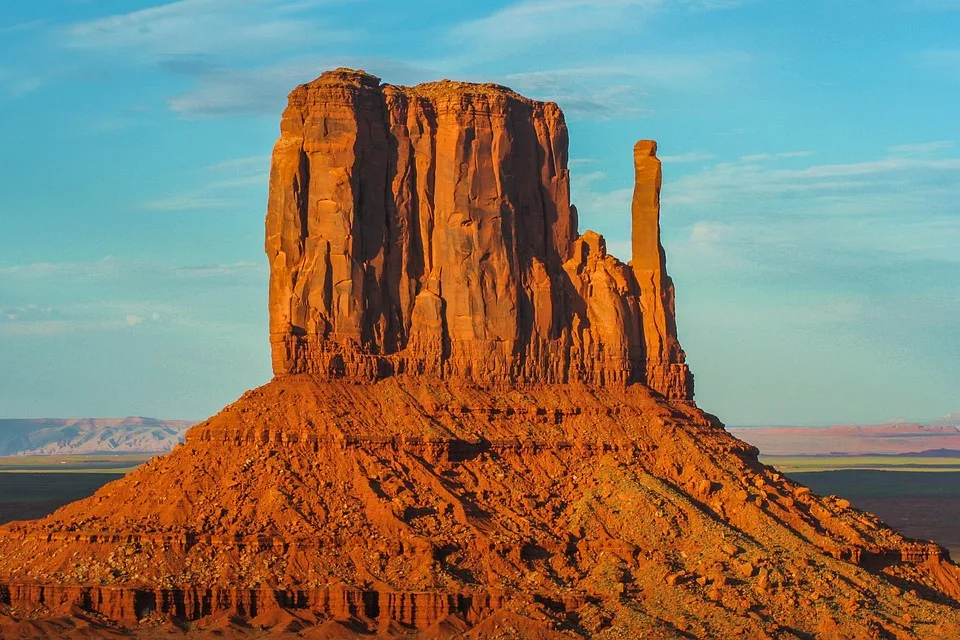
(429, 230)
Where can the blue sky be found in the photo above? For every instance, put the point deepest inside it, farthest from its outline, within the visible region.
(811, 203)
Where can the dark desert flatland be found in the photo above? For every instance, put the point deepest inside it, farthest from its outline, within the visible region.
(919, 504)
(29, 495)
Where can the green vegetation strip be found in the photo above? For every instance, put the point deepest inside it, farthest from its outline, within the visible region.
(789, 464)
(94, 463)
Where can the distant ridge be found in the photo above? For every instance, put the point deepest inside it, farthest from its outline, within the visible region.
(885, 439)
(77, 436)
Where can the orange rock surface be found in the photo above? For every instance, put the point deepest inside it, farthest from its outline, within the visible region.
(480, 426)
(429, 230)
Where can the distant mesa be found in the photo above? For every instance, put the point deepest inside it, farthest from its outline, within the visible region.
(80, 436)
(481, 425)
(887, 439)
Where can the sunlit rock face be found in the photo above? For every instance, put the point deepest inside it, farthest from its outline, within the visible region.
(429, 230)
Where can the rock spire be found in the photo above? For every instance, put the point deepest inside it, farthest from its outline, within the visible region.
(665, 368)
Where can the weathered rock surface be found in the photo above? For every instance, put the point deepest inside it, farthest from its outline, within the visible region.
(429, 230)
(480, 426)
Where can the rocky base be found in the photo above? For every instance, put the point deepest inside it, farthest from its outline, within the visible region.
(439, 508)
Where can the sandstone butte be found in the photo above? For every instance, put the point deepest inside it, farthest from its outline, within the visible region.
(480, 425)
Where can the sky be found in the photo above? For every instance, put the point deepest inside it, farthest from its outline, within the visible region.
(811, 200)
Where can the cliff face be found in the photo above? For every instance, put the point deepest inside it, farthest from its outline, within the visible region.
(429, 230)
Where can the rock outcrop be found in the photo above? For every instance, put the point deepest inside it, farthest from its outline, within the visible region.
(429, 230)
(665, 368)
(480, 426)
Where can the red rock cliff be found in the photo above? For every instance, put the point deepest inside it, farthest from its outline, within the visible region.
(429, 230)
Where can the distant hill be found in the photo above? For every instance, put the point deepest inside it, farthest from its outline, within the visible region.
(938, 438)
(74, 436)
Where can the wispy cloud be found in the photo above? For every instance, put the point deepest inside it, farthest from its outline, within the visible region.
(767, 157)
(43, 320)
(26, 312)
(110, 269)
(941, 60)
(17, 84)
(690, 156)
(227, 185)
(529, 24)
(190, 296)
(263, 90)
(23, 27)
(199, 27)
(622, 86)
(104, 268)
(581, 93)
(241, 56)
(214, 270)
(872, 183)
(921, 148)
(839, 228)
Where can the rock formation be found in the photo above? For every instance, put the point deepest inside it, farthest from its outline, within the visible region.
(429, 230)
(480, 426)
(665, 370)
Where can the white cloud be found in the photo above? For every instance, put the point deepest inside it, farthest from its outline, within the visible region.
(210, 270)
(921, 148)
(871, 183)
(228, 187)
(768, 157)
(199, 27)
(263, 90)
(690, 156)
(133, 319)
(16, 84)
(25, 312)
(21, 27)
(104, 268)
(621, 86)
(841, 228)
(529, 24)
(110, 269)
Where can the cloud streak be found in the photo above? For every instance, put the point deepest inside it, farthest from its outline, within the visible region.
(229, 185)
(202, 27)
(530, 24)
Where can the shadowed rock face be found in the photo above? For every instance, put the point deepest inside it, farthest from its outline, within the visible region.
(429, 230)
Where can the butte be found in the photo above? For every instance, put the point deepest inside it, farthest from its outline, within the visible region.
(481, 425)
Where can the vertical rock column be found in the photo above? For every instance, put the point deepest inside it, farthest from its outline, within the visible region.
(666, 371)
